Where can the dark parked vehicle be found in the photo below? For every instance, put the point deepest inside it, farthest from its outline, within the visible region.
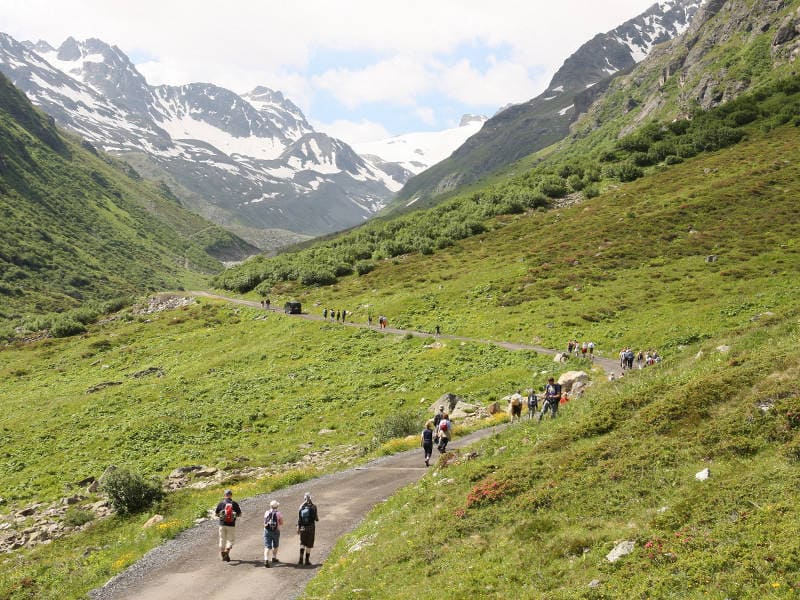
(292, 308)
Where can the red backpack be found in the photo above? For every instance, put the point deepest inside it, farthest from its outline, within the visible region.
(227, 513)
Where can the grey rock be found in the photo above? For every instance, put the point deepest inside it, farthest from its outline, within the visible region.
(620, 550)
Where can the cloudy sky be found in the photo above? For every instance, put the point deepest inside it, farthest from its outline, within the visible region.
(360, 70)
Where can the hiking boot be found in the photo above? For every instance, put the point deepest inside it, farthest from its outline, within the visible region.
(222, 554)
(308, 562)
(427, 464)
(266, 563)
(226, 556)
(300, 562)
(275, 559)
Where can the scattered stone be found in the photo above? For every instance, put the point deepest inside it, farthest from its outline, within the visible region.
(182, 471)
(434, 346)
(206, 472)
(723, 348)
(152, 521)
(71, 500)
(561, 357)
(157, 371)
(703, 475)
(102, 386)
(711, 258)
(620, 550)
(570, 378)
(448, 400)
(86, 481)
(699, 355)
(493, 408)
(161, 303)
(501, 449)
(594, 583)
(325, 431)
(462, 410)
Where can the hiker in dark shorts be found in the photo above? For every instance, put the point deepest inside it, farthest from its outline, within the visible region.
(445, 430)
(306, 526)
(427, 442)
(228, 511)
(273, 521)
(552, 396)
(533, 403)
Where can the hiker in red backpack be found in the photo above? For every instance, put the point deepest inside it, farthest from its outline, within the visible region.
(445, 431)
(228, 511)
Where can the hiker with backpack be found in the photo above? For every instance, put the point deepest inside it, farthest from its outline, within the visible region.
(306, 526)
(228, 511)
(427, 442)
(515, 406)
(533, 403)
(552, 396)
(273, 521)
(445, 431)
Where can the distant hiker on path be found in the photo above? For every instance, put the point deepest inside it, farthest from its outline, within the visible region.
(369, 320)
(515, 406)
(427, 442)
(437, 418)
(445, 431)
(438, 331)
(325, 314)
(533, 403)
(273, 521)
(266, 303)
(228, 511)
(306, 526)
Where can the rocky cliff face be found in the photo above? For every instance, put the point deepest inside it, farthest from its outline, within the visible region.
(731, 46)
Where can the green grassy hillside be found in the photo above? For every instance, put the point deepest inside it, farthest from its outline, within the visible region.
(627, 267)
(77, 228)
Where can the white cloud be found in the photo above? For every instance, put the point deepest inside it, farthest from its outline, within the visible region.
(426, 115)
(406, 50)
(353, 132)
(397, 80)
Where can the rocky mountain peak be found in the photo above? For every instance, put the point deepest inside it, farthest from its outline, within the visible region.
(467, 119)
(69, 50)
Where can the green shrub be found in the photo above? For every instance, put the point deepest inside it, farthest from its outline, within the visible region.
(65, 326)
(398, 425)
(75, 517)
(553, 186)
(591, 191)
(364, 266)
(129, 492)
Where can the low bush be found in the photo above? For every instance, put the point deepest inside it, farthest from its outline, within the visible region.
(129, 492)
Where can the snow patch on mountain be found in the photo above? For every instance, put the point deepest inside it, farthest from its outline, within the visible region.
(418, 151)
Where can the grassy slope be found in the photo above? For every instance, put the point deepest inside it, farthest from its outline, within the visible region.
(237, 390)
(76, 228)
(625, 268)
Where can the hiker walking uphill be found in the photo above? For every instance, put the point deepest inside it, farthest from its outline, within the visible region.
(228, 511)
(445, 431)
(307, 518)
(552, 396)
(273, 521)
(515, 406)
(427, 442)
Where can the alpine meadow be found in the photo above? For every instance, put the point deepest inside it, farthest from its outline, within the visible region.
(142, 373)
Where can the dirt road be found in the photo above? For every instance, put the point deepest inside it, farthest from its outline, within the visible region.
(190, 567)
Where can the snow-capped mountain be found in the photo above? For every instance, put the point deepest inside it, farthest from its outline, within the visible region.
(249, 162)
(415, 152)
(521, 129)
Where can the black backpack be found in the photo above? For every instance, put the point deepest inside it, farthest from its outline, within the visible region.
(271, 522)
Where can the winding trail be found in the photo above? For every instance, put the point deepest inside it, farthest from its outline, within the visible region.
(189, 566)
(607, 364)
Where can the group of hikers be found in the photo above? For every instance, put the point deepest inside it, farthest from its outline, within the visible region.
(552, 396)
(582, 349)
(643, 358)
(336, 315)
(439, 429)
(228, 510)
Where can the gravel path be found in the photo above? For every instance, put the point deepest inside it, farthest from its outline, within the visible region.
(189, 566)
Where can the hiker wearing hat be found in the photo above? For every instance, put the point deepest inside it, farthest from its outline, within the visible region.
(273, 521)
(306, 525)
(228, 511)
